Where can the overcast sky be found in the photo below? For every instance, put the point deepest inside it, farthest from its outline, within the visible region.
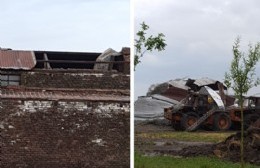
(199, 34)
(67, 25)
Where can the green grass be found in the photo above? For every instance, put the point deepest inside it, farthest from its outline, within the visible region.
(171, 162)
(188, 136)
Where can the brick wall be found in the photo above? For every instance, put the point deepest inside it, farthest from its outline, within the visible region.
(76, 79)
(60, 133)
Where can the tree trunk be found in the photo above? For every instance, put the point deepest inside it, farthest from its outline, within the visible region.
(242, 136)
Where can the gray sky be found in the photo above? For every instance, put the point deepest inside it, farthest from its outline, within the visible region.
(67, 25)
(199, 34)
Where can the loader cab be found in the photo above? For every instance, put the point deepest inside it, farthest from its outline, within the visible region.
(197, 103)
(254, 103)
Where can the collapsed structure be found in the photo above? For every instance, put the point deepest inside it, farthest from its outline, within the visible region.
(190, 104)
(64, 109)
(171, 93)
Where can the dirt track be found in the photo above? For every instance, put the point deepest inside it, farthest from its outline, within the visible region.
(168, 146)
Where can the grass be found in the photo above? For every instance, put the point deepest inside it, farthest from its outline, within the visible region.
(171, 162)
(188, 136)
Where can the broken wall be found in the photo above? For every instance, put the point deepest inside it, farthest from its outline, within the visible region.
(75, 79)
(65, 118)
(61, 133)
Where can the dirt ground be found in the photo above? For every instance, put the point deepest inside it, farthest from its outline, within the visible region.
(167, 146)
(164, 146)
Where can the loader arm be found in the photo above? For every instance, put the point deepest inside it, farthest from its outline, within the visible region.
(220, 106)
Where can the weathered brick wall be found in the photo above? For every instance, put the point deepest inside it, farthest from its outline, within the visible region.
(48, 133)
(76, 79)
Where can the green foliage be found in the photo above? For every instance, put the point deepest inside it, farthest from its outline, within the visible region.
(242, 70)
(171, 162)
(241, 78)
(144, 43)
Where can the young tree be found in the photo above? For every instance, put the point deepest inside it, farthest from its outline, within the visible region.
(241, 78)
(144, 44)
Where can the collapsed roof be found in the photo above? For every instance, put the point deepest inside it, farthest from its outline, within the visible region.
(197, 84)
(27, 60)
(149, 108)
(177, 89)
(174, 89)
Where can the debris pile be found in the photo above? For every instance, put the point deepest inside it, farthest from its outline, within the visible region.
(230, 148)
(149, 108)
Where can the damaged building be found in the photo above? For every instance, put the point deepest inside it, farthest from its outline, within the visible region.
(64, 109)
(163, 95)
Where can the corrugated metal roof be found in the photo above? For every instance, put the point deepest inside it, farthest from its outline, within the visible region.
(10, 59)
(196, 84)
(204, 81)
(179, 83)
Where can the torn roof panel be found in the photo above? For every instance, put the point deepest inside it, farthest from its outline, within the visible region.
(204, 81)
(10, 59)
(179, 83)
(163, 87)
(196, 84)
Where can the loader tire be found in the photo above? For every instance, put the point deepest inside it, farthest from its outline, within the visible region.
(176, 126)
(222, 122)
(188, 120)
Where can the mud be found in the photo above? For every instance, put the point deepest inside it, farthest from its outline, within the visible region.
(168, 146)
(230, 148)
